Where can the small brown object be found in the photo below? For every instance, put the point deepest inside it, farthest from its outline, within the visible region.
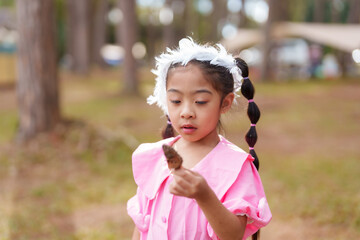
(174, 160)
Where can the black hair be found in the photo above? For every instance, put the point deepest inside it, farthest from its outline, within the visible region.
(169, 130)
(253, 112)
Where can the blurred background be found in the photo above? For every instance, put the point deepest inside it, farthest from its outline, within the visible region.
(74, 77)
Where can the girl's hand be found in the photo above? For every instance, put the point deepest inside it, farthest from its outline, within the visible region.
(191, 184)
(188, 184)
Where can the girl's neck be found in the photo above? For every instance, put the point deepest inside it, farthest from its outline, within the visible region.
(209, 141)
(193, 152)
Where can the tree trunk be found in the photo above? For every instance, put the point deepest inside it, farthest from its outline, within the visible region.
(99, 30)
(150, 32)
(280, 11)
(354, 16)
(190, 19)
(37, 85)
(219, 14)
(243, 17)
(78, 35)
(169, 31)
(319, 11)
(128, 36)
(267, 42)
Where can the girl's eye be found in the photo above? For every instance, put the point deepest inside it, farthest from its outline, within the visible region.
(201, 102)
(175, 101)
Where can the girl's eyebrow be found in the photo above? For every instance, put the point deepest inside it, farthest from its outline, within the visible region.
(195, 92)
(203, 91)
(173, 90)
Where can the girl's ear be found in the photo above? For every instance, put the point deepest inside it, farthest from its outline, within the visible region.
(227, 102)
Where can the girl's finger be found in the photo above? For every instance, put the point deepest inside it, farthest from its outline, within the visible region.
(177, 189)
(186, 174)
(182, 181)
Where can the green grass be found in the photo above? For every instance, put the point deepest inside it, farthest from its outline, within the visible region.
(308, 149)
(7, 68)
(8, 124)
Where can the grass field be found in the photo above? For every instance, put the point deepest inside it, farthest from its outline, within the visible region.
(74, 182)
(7, 68)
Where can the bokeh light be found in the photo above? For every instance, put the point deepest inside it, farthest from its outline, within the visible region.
(166, 16)
(251, 55)
(112, 54)
(139, 50)
(258, 10)
(115, 16)
(178, 6)
(151, 3)
(356, 55)
(229, 30)
(234, 6)
(204, 7)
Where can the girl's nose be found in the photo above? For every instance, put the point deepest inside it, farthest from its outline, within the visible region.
(187, 112)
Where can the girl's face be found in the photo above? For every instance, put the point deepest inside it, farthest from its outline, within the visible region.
(194, 105)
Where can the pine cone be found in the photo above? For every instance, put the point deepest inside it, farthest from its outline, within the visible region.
(174, 160)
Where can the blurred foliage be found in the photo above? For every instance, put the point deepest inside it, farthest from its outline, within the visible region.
(7, 3)
(60, 25)
(297, 11)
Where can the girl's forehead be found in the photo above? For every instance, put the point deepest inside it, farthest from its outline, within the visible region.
(190, 76)
(187, 74)
(183, 68)
(189, 82)
(190, 70)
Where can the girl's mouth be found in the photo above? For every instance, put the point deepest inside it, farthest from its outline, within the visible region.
(188, 129)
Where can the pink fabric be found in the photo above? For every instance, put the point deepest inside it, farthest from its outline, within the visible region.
(229, 172)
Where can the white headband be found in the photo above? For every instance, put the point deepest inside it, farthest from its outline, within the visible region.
(188, 50)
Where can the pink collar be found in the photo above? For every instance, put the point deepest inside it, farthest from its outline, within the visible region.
(220, 167)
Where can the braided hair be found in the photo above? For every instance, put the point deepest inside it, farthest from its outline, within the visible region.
(169, 130)
(253, 112)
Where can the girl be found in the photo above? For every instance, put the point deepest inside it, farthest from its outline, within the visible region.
(217, 193)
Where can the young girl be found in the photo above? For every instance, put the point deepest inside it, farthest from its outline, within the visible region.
(217, 192)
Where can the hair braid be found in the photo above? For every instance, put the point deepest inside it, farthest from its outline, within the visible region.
(247, 89)
(169, 130)
(253, 112)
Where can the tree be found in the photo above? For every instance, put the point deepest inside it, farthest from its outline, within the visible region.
(354, 10)
(319, 11)
(243, 18)
(98, 30)
(267, 42)
(128, 36)
(169, 31)
(219, 14)
(191, 21)
(37, 85)
(78, 35)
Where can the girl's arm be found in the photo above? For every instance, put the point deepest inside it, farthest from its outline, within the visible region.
(192, 185)
(136, 234)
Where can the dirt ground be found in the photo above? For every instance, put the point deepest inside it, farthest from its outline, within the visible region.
(95, 216)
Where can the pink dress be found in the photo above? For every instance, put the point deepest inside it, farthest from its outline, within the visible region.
(228, 170)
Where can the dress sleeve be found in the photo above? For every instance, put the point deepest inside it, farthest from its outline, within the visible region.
(138, 208)
(246, 197)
